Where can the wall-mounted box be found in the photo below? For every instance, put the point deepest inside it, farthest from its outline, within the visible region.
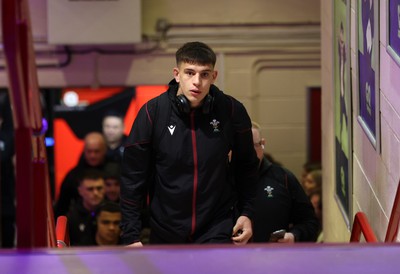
(78, 22)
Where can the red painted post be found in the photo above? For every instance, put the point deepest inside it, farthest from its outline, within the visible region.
(62, 232)
(39, 194)
(33, 198)
(23, 149)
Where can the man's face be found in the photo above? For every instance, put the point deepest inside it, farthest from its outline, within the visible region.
(113, 129)
(108, 230)
(258, 144)
(112, 189)
(194, 81)
(315, 201)
(95, 152)
(309, 183)
(92, 192)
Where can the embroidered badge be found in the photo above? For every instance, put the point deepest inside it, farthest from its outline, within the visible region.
(215, 124)
(269, 189)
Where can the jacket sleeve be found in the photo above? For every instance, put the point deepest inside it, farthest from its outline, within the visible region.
(305, 223)
(68, 192)
(244, 160)
(136, 169)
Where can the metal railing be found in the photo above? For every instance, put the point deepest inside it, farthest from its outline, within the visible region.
(62, 234)
(393, 227)
(361, 226)
(34, 213)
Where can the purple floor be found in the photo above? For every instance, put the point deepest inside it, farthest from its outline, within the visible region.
(272, 258)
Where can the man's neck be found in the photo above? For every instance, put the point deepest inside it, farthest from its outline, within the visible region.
(114, 145)
(89, 208)
(101, 241)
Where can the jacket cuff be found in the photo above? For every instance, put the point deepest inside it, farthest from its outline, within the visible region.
(129, 239)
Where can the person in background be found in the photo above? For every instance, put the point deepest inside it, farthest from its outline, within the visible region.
(108, 219)
(113, 130)
(94, 153)
(186, 168)
(307, 168)
(112, 178)
(316, 200)
(281, 202)
(312, 181)
(82, 215)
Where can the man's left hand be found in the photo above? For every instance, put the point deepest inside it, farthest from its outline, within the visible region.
(288, 238)
(242, 231)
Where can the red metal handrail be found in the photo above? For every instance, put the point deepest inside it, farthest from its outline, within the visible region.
(35, 227)
(62, 234)
(393, 227)
(362, 226)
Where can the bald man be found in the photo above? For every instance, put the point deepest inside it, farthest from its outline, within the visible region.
(95, 149)
(94, 156)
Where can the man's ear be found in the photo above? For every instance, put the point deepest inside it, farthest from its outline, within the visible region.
(262, 143)
(176, 74)
(214, 74)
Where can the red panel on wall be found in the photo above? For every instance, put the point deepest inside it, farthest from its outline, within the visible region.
(314, 125)
(67, 149)
(90, 95)
(71, 125)
(143, 94)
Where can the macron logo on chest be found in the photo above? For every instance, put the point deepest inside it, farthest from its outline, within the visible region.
(171, 129)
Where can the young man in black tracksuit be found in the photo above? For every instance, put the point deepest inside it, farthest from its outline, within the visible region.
(281, 202)
(177, 152)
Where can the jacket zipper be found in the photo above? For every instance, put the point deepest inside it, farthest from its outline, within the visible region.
(195, 172)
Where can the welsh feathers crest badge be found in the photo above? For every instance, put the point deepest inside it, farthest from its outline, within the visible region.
(215, 125)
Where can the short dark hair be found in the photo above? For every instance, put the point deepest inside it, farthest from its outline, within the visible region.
(109, 207)
(90, 173)
(113, 113)
(195, 53)
(112, 170)
(310, 166)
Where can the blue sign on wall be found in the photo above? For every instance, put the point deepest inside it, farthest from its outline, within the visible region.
(394, 29)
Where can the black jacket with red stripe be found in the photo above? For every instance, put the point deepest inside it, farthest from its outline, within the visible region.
(181, 159)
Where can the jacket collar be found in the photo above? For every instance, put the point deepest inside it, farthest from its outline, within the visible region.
(264, 166)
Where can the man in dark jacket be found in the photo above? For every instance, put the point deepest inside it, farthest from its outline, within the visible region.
(82, 214)
(281, 202)
(94, 158)
(113, 131)
(178, 150)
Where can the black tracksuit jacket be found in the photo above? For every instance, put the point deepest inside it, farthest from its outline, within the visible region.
(281, 203)
(186, 168)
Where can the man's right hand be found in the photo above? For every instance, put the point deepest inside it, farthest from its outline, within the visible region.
(137, 244)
